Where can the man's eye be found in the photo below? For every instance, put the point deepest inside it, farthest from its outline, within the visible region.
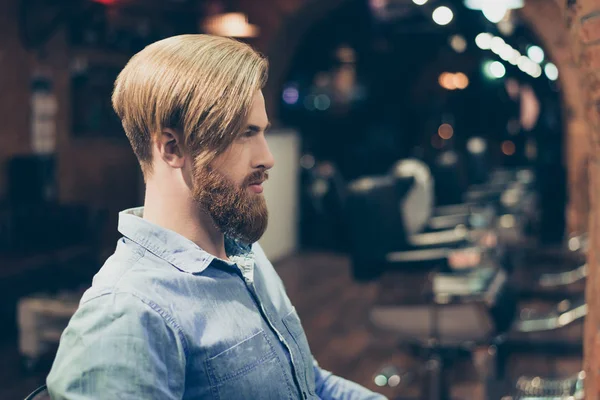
(248, 133)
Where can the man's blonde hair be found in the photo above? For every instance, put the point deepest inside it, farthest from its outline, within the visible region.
(200, 85)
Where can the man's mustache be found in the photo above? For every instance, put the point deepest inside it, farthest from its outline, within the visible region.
(256, 178)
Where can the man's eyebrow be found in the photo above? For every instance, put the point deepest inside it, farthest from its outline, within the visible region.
(256, 128)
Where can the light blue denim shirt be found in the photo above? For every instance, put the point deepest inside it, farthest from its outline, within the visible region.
(166, 320)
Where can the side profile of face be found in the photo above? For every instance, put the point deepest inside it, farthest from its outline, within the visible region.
(230, 188)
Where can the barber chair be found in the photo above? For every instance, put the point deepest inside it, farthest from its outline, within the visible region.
(41, 393)
(456, 314)
(552, 273)
(379, 239)
(442, 310)
(507, 194)
(417, 205)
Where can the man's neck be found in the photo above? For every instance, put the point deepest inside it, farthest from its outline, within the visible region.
(181, 214)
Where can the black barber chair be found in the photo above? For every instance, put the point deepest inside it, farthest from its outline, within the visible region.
(379, 239)
(505, 203)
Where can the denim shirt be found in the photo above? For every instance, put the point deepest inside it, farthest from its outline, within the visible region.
(164, 319)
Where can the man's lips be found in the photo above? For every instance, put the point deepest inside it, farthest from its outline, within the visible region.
(256, 187)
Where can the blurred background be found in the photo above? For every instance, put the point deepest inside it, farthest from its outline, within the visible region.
(428, 208)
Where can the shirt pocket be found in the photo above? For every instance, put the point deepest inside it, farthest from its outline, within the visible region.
(294, 327)
(248, 370)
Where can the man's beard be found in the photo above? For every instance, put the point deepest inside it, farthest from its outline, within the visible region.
(235, 212)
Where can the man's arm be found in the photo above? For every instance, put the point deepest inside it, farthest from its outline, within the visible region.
(118, 347)
(331, 387)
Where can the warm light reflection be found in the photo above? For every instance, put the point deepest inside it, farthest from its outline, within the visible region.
(450, 81)
(476, 145)
(231, 25)
(446, 131)
(346, 54)
(446, 80)
(508, 148)
(461, 81)
(458, 43)
(378, 3)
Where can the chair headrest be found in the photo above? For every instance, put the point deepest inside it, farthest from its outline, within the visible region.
(417, 204)
(412, 168)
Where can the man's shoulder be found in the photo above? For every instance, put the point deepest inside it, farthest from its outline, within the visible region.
(132, 269)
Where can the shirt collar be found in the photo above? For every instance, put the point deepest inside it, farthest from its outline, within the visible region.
(174, 248)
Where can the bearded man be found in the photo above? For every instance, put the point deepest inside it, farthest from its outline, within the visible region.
(189, 306)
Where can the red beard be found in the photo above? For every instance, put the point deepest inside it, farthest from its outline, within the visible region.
(235, 212)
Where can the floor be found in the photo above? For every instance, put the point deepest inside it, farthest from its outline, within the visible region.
(334, 311)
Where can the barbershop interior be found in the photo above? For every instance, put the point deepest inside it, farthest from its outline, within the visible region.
(431, 209)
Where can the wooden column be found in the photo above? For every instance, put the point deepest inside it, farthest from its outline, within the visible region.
(582, 18)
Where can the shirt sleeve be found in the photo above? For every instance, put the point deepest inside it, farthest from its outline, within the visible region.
(332, 387)
(118, 347)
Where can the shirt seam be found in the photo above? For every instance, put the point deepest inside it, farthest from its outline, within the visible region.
(168, 319)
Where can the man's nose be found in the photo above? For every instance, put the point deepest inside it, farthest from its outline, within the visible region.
(264, 157)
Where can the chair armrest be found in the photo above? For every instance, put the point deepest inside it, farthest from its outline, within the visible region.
(440, 254)
(454, 209)
(563, 278)
(448, 221)
(448, 237)
(552, 321)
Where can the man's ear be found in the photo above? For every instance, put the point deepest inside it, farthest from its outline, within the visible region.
(170, 148)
